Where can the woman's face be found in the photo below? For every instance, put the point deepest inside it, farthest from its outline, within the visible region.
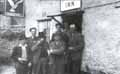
(57, 38)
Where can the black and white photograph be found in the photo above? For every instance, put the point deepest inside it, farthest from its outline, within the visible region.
(14, 7)
(59, 36)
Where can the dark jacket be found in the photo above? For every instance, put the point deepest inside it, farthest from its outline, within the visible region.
(44, 46)
(17, 52)
(76, 41)
(31, 42)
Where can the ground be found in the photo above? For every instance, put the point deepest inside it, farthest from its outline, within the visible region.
(5, 69)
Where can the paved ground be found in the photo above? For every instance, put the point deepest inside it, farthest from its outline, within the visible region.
(7, 69)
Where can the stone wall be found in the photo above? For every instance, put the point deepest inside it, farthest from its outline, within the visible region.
(101, 27)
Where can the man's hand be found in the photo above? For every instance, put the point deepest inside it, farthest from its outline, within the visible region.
(21, 59)
(29, 64)
(50, 51)
(71, 48)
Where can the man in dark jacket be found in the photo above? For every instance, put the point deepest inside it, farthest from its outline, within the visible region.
(34, 42)
(42, 67)
(75, 47)
(22, 57)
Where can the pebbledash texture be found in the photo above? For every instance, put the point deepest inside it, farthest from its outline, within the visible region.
(101, 27)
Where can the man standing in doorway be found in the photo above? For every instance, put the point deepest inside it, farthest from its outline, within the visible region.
(75, 47)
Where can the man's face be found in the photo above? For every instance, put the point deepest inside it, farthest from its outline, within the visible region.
(58, 27)
(72, 27)
(57, 38)
(33, 32)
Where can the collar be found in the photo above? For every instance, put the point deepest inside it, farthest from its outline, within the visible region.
(21, 45)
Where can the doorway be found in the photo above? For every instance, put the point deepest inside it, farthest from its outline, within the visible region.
(73, 18)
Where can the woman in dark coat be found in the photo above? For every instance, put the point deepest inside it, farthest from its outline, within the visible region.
(57, 50)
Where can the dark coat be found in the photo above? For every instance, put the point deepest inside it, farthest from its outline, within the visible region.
(35, 48)
(21, 67)
(17, 52)
(57, 58)
(76, 41)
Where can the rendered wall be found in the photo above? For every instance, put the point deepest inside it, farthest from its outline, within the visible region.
(40, 9)
(101, 27)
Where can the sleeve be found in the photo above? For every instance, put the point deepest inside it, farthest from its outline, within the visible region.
(63, 46)
(30, 55)
(14, 55)
(81, 42)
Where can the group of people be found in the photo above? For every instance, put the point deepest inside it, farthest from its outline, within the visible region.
(62, 55)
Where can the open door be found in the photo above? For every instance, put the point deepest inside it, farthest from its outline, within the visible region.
(73, 18)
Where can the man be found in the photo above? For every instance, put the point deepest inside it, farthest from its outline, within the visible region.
(42, 67)
(33, 43)
(22, 57)
(75, 47)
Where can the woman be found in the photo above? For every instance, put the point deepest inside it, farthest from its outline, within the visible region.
(56, 52)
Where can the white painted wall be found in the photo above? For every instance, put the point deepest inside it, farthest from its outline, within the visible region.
(101, 27)
(39, 9)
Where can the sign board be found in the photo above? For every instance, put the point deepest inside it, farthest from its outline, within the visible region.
(14, 8)
(70, 4)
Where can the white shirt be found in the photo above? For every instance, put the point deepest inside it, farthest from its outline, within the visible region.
(24, 52)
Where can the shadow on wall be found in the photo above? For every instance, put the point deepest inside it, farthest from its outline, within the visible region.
(91, 71)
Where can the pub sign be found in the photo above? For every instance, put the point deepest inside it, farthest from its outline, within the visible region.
(70, 4)
(14, 8)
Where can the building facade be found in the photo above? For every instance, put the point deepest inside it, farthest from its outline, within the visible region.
(102, 35)
(12, 15)
(58, 11)
(100, 26)
(36, 14)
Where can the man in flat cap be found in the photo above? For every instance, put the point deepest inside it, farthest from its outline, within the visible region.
(34, 44)
(75, 47)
